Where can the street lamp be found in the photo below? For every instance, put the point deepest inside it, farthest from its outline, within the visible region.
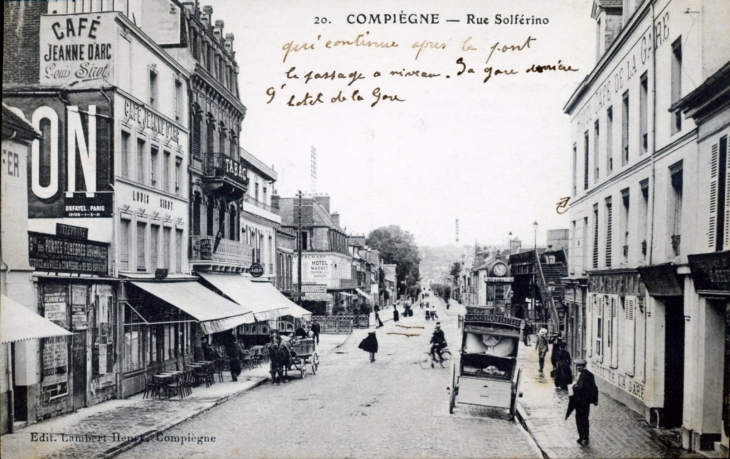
(534, 225)
(534, 273)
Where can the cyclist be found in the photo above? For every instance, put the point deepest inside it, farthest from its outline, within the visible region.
(438, 343)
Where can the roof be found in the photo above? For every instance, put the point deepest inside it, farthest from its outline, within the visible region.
(18, 323)
(317, 217)
(255, 163)
(15, 122)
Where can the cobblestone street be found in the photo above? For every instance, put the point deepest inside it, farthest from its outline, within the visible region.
(354, 408)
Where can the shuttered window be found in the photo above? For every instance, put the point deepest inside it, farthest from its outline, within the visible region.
(586, 156)
(178, 250)
(599, 328)
(629, 335)
(595, 236)
(591, 306)
(154, 240)
(166, 241)
(614, 327)
(140, 161)
(609, 230)
(141, 246)
(124, 236)
(640, 342)
(719, 226)
(197, 132)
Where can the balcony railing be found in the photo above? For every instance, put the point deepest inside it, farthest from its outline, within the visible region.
(259, 204)
(228, 252)
(225, 175)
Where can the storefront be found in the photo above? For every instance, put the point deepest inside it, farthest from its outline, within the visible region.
(165, 323)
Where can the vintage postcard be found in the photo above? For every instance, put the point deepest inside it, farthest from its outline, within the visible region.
(354, 229)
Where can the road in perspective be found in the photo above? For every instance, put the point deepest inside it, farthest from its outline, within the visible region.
(390, 408)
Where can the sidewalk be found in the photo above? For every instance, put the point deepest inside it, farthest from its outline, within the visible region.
(616, 431)
(112, 427)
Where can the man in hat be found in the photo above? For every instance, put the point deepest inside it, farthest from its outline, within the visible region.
(542, 346)
(585, 393)
(438, 342)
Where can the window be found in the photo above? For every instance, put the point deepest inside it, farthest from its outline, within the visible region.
(628, 361)
(675, 207)
(609, 230)
(197, 203)
(178, 177)
(643, 217)
(124, 236)
(609, 141)
(585, 157)
(210, 138)
(595, 236)
(209, 218)
(613, 332)
(232, 221)
(584, 252)
(304, 240)
(596, 150)
(125, 153)
(599, 326)
(178, 99)
(263, 197)
(222, 219)
(166, 173)
(154, 167)
(640, 339)
(625, 224)
(166, 241)
(140, 160)
(154, 242)
(625, 129)
(153, 88)
(197, 134)
(256, 191)
(141, 247)
(676, 82)
(575, 169)
(643, 114)
(719, 228)
(178, 250)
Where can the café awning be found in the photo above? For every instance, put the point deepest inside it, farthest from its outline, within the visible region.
(212, 311)
(260, 297)
(18, 323)
(369, 297)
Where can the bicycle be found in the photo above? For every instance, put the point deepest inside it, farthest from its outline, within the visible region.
(427, 361)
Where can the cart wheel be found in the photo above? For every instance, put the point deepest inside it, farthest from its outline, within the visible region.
(315, 363)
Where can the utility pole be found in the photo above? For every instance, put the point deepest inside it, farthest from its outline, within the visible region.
(299, 251)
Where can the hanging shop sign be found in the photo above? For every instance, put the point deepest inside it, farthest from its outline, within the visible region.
(48, 252)
(70, 168)
(711, 271)
(76, 49)
(256, 270)
(314, 292)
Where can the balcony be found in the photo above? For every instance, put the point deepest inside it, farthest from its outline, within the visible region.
(258, 203)
(224, 176)
(229, 253)
(260, 209)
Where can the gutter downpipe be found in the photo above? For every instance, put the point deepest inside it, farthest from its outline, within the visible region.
(653, 176)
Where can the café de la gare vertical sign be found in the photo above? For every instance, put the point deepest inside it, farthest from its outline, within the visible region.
(76, 49)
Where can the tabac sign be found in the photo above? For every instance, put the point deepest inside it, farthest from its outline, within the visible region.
(76, 49)
(69, 169)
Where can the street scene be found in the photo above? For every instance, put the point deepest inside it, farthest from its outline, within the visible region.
(330, 229)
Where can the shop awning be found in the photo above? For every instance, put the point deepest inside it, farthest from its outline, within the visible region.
(18, 323)
(369, 297)
(214, 312)
(260, 297)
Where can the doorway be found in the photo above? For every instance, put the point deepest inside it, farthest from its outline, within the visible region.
(78, 354)
(673, 362)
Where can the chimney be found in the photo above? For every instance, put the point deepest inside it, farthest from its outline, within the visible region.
(323, 200)
(206, 15)
(275, 201)
(218, 30)
(336, 217)
(609, 22)
(514, 245)
(228, 44)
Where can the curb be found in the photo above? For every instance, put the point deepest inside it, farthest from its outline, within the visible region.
(529, 426)
(147, 436)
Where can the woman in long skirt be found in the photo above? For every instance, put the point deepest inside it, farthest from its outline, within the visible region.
(563, 373)
(396, 314)
(370, 344)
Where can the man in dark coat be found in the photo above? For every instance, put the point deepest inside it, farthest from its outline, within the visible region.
(563, 373)
(585, 393)
(315, 331)
(234, 358)
(279, 355)
(370, 344)
(396, 314)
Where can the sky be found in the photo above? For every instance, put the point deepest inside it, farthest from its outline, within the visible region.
(495, 155)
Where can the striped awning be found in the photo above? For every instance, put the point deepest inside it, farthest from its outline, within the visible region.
(369, 297)
(212, 311)
(18, 323)
(261, 297)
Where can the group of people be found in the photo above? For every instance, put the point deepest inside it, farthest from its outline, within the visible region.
(583, 393)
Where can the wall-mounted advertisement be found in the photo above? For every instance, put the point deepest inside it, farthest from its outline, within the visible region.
(76, 50)
(314, 292)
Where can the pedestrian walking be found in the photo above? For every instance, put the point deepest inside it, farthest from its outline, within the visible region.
(563, 373)
(585, 393)
(555, 340)
(234, 358)
(542, 346)
(370, 344)
(396, 314)
(315, 331)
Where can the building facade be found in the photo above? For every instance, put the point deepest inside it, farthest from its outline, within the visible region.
(642, 206)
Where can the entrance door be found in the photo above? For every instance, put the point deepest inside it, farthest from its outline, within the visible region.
(674, 362)
(78, 354)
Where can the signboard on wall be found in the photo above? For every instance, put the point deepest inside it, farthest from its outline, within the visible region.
(318, 268)
(77, 49)
(48, 252)
(69, 172)
(314, 292)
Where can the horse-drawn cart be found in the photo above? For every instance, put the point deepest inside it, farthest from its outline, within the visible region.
(302, 355)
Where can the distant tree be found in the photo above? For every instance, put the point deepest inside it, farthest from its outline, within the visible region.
(399, 247)
(455, 269)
